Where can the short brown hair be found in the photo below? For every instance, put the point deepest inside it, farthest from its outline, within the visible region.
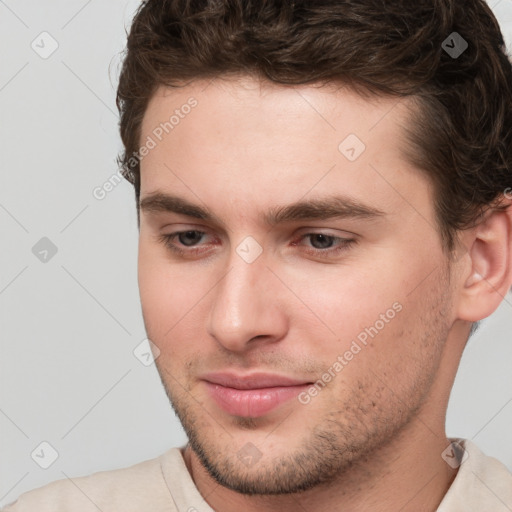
(461, 134)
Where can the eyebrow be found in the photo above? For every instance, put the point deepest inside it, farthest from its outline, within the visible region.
(330, 207)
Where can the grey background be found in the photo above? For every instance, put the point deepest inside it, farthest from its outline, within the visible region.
(69, 326)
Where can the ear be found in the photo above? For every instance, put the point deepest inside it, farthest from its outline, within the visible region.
(487, 276)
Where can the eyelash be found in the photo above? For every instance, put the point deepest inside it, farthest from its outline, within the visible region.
(345, 244)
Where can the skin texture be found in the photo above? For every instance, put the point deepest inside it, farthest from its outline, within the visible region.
(372, 438)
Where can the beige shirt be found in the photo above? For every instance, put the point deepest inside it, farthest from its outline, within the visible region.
(163, 484)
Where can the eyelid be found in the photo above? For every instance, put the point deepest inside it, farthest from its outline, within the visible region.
(303, 229)
(340, 233)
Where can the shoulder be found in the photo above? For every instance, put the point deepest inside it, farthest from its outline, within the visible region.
(137, 488)
(482, 483)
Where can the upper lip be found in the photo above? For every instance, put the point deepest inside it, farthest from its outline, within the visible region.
(252, 381)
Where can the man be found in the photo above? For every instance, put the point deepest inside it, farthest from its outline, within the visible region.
(323, 191)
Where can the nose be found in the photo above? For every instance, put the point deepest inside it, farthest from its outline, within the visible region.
(245, 311)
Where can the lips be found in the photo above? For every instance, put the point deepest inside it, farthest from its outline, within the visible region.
(253, 395)
(252, 381)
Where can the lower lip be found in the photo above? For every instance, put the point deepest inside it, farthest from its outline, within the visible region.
(252, 403)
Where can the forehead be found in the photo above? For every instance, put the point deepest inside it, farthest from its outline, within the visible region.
(335, 104)
(254, 141)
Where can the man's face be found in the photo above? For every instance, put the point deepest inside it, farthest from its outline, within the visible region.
(355, 310)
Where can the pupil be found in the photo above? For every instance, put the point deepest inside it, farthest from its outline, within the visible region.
(327, 241)
(190, 235)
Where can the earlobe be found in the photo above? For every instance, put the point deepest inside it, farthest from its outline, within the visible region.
(488, 276)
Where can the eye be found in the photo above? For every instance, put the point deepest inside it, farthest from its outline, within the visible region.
(326, 245)
(187, 238)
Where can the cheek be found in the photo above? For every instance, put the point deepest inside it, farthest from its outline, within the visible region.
(346, 299)
(155, 292)
(171, 300)
(376, 316)
(401, 343)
